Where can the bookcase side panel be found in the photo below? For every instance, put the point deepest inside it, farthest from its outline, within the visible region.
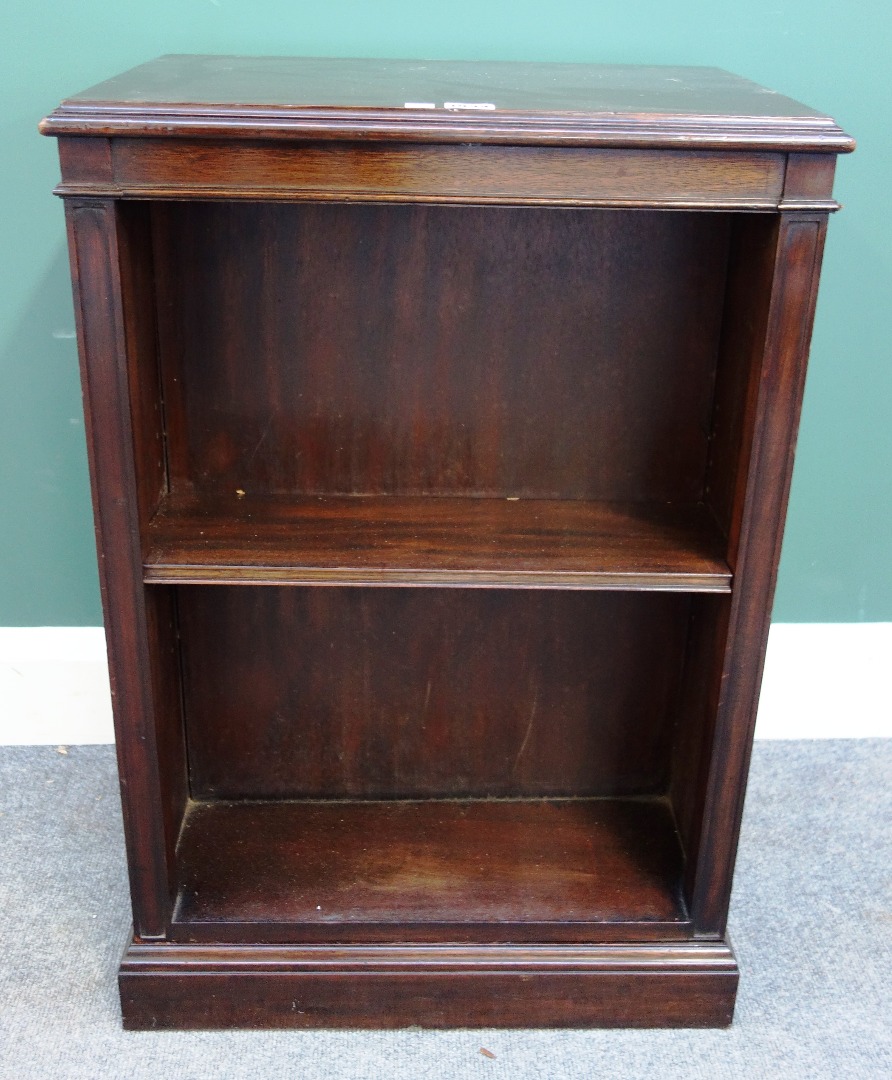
(773, 400)
(114, 342)
(752, 256)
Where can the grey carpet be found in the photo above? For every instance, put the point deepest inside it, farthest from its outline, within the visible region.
(811, 922)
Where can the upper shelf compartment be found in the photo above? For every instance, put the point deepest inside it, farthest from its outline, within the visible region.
(338, 540)
(416, 395)
(438, 351)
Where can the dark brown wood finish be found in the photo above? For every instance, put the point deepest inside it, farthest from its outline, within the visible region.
(427, 692)
(752, 263)
(774, 404)
(555, 104)
(439, 350)
(643, 985)
(504, 806)
(753, 255)
(139, 623)
(772, 291)
(695, 712)
(198, 169)
(86, 163)
(808, 183)
(431, 870)
(138, 309)
(394, 540)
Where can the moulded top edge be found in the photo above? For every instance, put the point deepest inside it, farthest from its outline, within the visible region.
(574, 104)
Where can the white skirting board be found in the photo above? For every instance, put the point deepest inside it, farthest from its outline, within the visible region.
(822, 681)
(54, 686)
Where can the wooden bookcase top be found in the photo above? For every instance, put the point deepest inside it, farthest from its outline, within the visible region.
(446, 101)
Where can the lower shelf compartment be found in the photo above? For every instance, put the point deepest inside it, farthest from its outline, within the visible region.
(434, 870)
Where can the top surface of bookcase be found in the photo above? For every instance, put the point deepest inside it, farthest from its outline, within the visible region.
(438, 100)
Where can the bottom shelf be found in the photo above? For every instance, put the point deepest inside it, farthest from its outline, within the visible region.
(436, 870)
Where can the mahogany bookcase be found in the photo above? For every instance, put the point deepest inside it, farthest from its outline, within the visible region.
(441, 420)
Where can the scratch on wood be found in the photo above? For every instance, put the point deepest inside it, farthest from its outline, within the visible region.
(269, 424)
(529, 731)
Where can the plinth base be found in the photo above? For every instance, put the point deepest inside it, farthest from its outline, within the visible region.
(689, 984)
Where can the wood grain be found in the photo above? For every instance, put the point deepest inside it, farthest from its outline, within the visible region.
(537, 353)
(358, 172)
(507, 366)
(751, 269)
(808, 182)
(139, 622)
(758, 524)
(689, 984)
(587, 104)
(448, 869)
(427, 692)
(389, 540)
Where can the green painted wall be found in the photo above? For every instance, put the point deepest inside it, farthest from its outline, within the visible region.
(835, 57)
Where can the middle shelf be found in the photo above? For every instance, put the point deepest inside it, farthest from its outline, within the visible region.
(443, 541)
